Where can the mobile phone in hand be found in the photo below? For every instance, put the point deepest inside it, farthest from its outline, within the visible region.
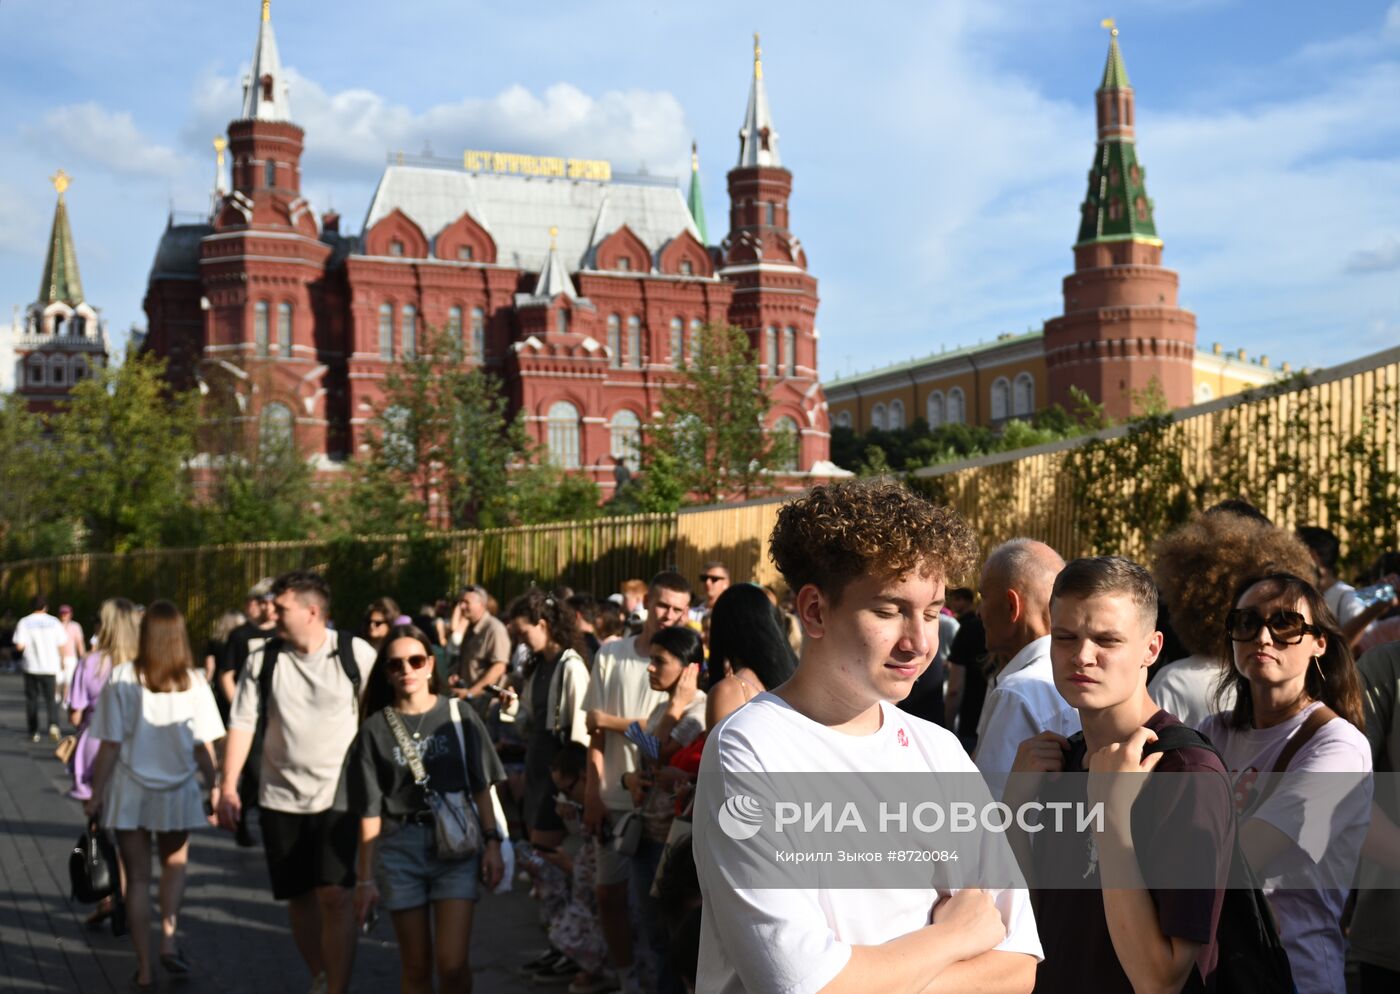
(371, 917)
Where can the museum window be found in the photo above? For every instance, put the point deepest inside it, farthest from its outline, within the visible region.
(396, 248)
(787, 427)
(454, 326)
(562, 434)
(843, 419)
(877, 417)
(464, 253)
(269, 173)
(957, 406)
(790, 350)
(934, 409)
(775, 363)
(634, 342)
(409, 328)
(1023, 396)
(624, 264)
(625, 431)
(478, 345)
(677, 343)
(284, 329)
(614, 341)
(1001, 398)
(386, 331)
(697, 328)
(896, 415)
(686, 268)
(561, 321)
(260, 336)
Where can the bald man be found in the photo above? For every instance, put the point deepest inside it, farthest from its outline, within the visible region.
(1021, 700)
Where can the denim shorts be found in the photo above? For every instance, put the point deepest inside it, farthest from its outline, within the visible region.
(410, 875)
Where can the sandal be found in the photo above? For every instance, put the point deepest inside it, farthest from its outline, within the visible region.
(101, 913)
(139, 987)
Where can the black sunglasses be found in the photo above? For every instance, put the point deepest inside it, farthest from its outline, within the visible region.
(713, 579)
(396, 663)
(1286, 627)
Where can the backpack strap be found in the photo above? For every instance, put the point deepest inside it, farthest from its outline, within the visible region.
(1303, 736)
(345, 650)
(1175, 737)
(271, 649)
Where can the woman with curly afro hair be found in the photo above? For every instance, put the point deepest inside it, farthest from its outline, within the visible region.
(1198, 567)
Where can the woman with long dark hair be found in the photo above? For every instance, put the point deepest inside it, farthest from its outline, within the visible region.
(1298, 709)
(748, 651)
(157, 723)
(398, 864)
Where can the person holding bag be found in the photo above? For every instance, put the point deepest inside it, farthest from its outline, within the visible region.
(156, 723)
(419, 776)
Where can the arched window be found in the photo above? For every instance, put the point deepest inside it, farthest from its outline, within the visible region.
(686, 268)
(260, 335)
(790, 351)
(786, 426)
(634, 342)
(896, 415)
(80, 369)
(464, 253)
(269, 173)
(775, 357)
(677, 342)
(1001, 398)
(614, 341)
(275, 428)
(561, 321)
(409, 327)
(78, 326)
(626, 431)
(478, 345)
(454, 327)
(843, 419)
(386, 331)
(935, 413)
(1023, 396)
(696, 333)
(284, 329)
(957, 406)
(1204, 392)
(877, 417)
(58, 371)
(562, 431)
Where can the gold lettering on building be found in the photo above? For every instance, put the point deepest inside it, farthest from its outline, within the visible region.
(515, 164)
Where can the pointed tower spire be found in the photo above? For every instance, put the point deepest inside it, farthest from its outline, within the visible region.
(554, 278)
(758, 139)
(61, 282)
(265, 87)
(1117, 206)
(695, 202)
(220, 146)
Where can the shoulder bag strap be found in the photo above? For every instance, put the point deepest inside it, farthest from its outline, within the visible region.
(406, 746)
(452, 707)
(1303, 736)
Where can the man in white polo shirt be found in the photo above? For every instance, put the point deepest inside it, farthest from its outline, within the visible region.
(868, 561)
(39, 638)
(1021, 700)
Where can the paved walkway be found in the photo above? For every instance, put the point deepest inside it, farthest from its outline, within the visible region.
(230, 927)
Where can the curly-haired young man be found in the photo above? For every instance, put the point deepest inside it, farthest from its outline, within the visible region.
(868, 561)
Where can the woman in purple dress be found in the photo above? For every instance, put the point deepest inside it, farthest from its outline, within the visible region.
(116, 644)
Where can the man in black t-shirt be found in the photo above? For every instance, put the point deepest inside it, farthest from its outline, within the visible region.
(1110, 932)
(967, 680)
(244, 640)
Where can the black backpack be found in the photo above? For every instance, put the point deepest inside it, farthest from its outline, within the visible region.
(1250, 956)
(272, 649)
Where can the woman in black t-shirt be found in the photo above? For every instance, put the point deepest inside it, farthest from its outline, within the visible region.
(397, 866)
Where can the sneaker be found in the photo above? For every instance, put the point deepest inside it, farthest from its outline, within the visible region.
(561, 971)
(34, 737)
(53, 733)
(545, 959)
(318, 984)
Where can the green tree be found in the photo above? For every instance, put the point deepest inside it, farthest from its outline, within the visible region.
(34, 515)
(541, 492)
(710, 434)
(126, 441)
(440, 447)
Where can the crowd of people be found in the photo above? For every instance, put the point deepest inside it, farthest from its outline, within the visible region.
(411, 766)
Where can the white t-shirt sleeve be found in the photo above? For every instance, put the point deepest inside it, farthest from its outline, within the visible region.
(243, 714)
(774, 939)
(109, 719)
(206, 723)
(1349, 606)
(1310, 810)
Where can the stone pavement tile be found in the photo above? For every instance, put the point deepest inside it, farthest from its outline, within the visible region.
(231, 929)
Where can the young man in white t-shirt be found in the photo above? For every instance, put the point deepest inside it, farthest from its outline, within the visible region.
(39, 638)
(868, 561)
(619, 693)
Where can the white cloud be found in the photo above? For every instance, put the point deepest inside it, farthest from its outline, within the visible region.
(90, 133)
(350, 132)
(1383, 258)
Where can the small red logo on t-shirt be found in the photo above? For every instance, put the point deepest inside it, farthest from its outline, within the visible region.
(903, 739)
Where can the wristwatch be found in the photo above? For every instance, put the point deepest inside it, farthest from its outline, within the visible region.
(492, 836)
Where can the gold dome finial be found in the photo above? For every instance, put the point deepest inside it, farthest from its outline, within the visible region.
(267, 10)
(220, 143)
(1111, 25)
(61, 181)
(694, 157)
(553, 237)
(757, 58)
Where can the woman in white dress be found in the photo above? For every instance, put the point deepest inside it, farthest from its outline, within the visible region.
(156, 721)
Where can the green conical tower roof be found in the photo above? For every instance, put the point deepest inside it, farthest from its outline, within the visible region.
(695, 201)
(1115, 74)
(61, 280)
(1117, 207)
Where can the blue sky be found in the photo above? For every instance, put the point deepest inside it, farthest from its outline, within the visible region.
(939, 150)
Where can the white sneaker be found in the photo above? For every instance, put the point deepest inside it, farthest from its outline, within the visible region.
(54, 733)
(318, 984)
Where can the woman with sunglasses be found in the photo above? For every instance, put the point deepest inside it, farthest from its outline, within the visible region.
(397, 866)
(1296, 692)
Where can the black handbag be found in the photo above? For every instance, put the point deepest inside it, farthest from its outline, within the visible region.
(92, 866)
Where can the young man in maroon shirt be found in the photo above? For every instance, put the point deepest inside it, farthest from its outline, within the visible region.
(1121, 936)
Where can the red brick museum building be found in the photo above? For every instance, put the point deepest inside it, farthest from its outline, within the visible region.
(581, 290)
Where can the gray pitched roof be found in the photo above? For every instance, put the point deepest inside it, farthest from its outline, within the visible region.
(518, 211)
(177, 255)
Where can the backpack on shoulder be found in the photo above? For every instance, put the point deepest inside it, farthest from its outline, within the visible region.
(272, 649)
